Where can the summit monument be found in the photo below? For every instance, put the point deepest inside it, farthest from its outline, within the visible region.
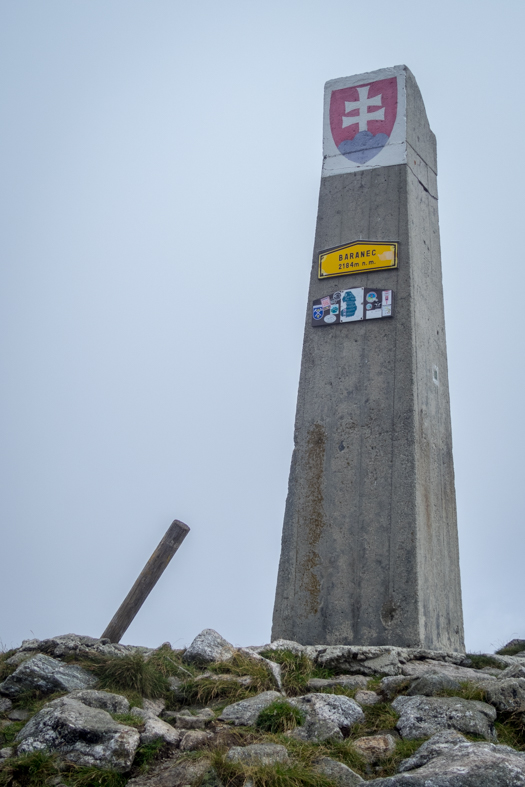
(370, 548)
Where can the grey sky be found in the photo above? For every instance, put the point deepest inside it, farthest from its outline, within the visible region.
(149, 150)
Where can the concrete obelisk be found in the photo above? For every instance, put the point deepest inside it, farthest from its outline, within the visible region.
(370, 548)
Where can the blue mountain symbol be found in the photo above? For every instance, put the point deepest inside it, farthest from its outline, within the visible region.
(350, 303)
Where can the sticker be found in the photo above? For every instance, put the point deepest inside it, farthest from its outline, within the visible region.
(325, 302)
(350, 306)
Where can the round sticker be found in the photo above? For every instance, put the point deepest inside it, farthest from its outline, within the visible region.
(330, 318)
(336, 296)
(372, 296)
(368, 305)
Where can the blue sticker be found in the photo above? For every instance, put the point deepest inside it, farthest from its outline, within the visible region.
(318, 312)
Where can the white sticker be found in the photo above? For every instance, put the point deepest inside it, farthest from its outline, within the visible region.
(330, 318)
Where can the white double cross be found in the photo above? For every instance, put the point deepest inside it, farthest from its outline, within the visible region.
(362, 105)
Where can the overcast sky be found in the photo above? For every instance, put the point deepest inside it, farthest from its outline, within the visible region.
(160, 175)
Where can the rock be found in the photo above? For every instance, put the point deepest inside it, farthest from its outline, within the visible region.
(430, 684)
(367, 661)
(245, 712)
(153, 707)
(449, 760)
(7, 752)
(183, 722)
(19, 714)
(105, 700)
(258, 754)
(155, 729)
(416, 669)
(375, 747)
(5, 704)
(282, 644)
(421, 717)
(173, 774)
(83, 647)
(83, 735)
(47, 675)
(506, 695)
(367, 698)
(18, 657)
(325, 716)
(346, 681)
(337, 772)
(390, 687)
(193, 739)
(273, 668)
(514, 643)
(515, 671)
(208, 647)
(242, 680)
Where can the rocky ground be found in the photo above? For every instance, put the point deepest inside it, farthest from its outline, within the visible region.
(77, 711)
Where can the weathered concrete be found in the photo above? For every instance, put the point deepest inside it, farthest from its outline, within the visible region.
(369, 548)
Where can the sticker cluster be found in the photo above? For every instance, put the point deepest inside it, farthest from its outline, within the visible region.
(358, 303)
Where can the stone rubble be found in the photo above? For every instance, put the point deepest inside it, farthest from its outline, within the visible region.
(80, 729)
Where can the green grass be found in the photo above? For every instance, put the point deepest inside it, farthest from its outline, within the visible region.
(510, 651)
(468, 691)
(6, 669)
(208, 690)
(297, 670)
(31, 770)
(510, 729)
(280, 716)
(129, 720)
(132, 673)
(8, 734)
(147, 754)
(390, 764)
(480, 660)
(293, 775)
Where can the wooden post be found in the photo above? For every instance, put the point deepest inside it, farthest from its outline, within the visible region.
(150, 574)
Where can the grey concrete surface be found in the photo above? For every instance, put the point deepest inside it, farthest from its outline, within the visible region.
(369, 547)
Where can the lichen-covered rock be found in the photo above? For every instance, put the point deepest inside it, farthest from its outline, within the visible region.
(421, 717)
(375, 747)
(208, 647)
(84, 735)
(47, 675)
(365, 661)
(337, 772)
(258, 754)
(79, 646)
(105, 700)
(173, 774)
(345, 681)
(325, 716)
(245, 712)
(506, 695)
(449, 760)
(391, 686)
(5, 704)
(367, 698)
(193, 740)
(155, 729)
(430, 684)
(416, 669)
(7, 752)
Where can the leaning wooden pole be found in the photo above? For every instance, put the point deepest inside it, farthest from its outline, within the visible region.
(147, 580)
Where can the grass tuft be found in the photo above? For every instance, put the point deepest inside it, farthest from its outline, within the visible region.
(130, 673)
(510, 729)
(279, 775)
(30, 770)
(206, 690)
(296, 671)
(146, 754)
(468, 691)
(510, 651)
(280, 716)
(480, 660)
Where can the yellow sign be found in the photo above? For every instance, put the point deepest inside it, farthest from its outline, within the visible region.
(358, 257)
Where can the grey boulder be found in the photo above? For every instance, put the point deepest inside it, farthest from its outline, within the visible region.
(365, 661)
(83, 735)
(430, 684)
(245, 712)
(449, 760)
(415, 669)
(173, 774)
(325, 716)
(345, 681)
(258, 754)
(208, 647)
(506, 695)
(47, 675)
(155, 729)
(337, 772)
(5, 704)
(421, 717)
(105, 700)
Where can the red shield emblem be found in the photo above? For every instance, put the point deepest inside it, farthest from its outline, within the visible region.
(362, 118)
